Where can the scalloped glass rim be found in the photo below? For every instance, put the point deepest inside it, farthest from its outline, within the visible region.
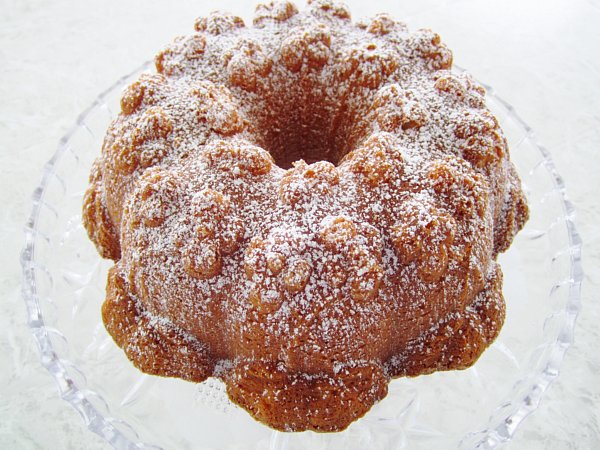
(529, 391)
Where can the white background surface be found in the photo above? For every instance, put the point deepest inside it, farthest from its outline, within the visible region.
(55, 57)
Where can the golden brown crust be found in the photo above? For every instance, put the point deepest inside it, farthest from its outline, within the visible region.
(459, 339)
(154, 347)
(305, 209)
(296, 402)
(97, 220)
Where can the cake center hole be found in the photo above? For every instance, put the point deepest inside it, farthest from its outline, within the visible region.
(287, 150)
(310, 130)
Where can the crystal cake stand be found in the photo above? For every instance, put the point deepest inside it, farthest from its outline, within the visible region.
(63, 288)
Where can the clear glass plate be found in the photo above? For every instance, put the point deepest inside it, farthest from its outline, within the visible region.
(481, 407)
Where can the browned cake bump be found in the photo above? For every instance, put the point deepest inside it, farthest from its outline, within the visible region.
(304, 208)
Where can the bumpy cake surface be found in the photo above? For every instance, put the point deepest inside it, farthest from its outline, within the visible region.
(304, 207)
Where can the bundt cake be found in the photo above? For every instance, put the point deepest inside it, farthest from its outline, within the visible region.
(304, 208)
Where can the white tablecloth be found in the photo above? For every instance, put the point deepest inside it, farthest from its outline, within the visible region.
(55, 57)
